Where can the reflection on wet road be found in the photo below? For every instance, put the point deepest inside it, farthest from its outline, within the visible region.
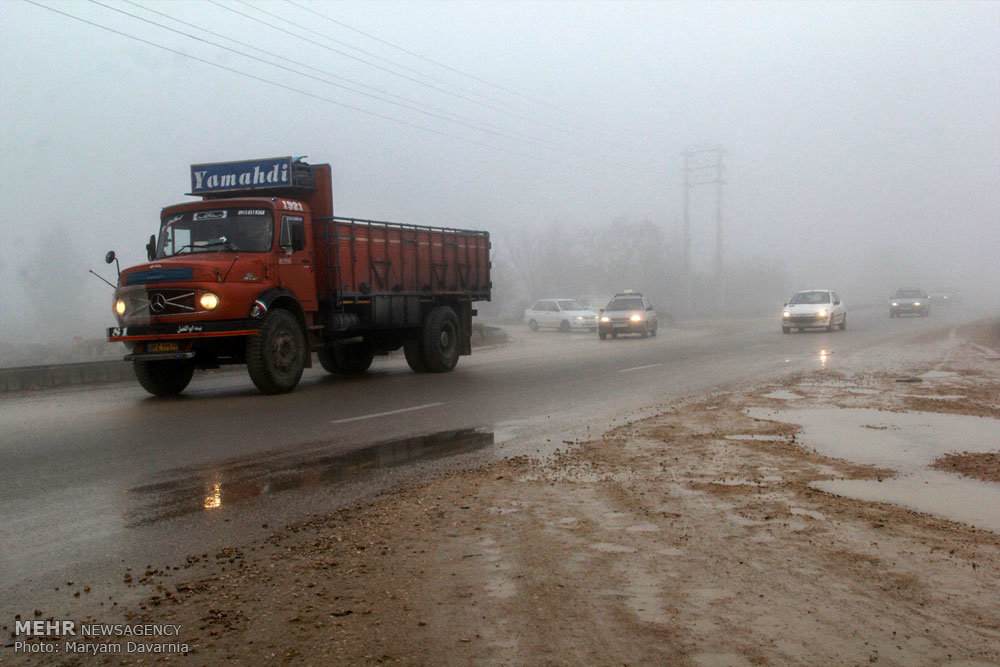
(210, 487)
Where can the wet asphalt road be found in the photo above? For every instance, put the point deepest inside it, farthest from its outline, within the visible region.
(96, 480)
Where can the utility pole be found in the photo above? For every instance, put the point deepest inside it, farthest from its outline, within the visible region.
(699, 173)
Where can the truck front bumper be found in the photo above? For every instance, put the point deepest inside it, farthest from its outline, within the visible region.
(182, 332)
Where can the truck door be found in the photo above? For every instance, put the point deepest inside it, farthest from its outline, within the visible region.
(296, 265)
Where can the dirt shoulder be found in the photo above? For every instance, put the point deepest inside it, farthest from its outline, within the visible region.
(693, 537)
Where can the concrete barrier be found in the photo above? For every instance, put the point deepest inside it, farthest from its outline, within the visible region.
(57, 375)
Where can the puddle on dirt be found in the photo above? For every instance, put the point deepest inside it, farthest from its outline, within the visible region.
(210, 487)
(907, 442)
(783, 395)
(939, 493)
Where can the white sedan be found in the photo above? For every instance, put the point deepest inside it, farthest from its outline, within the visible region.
(561, 314)
(815, 308)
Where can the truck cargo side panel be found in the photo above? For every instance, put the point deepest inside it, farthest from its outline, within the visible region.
(360, 258)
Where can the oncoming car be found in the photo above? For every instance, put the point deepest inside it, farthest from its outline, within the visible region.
(628, 313)
(561, 314)
(813, 309)
(909, 301)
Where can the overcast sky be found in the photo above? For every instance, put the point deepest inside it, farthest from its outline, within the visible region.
(857, 135)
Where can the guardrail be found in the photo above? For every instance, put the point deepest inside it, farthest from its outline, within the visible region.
(20, 378)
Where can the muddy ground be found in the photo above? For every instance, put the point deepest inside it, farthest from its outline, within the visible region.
(662, 542)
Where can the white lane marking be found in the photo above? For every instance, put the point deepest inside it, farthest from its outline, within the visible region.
(383, 414)
(639, 368)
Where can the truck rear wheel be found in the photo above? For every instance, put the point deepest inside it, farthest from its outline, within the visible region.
(440, 340)
(354, 358)
(276, 354)
(163, 378)
(327, 360)
(414, 355)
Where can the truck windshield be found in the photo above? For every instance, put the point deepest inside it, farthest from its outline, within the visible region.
(216, 230)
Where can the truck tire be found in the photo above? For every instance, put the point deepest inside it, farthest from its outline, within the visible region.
(276, 354)
(564, 326)
(163, 378)
(533, 325)
(439, 340)
(843, 323)
(602, 334)
(415, 355)
(353, 359)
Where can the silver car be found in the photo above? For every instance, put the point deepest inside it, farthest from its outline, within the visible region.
(628, 313)
(909, 301)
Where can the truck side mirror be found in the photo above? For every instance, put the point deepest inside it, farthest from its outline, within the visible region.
(110, 257)
(151, 248)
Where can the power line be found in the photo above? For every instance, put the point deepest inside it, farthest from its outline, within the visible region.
(300, 91)
(371, 64)
(492, 100)
(411, 105)
(473, 77)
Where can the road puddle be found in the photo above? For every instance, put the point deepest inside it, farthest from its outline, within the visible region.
(906, 442)
(209, 488)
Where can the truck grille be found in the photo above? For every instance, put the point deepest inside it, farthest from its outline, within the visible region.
(161, 302)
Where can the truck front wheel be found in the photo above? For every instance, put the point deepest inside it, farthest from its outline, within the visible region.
(276, 354)
(163, 378)
(440, 340)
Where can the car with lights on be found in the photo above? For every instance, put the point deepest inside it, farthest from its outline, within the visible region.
(909, 301)
(814, 309)
(628, 312)
(562, 314)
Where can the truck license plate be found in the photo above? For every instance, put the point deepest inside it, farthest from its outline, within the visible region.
(162, 347)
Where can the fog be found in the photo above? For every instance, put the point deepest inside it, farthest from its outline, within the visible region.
(862, 141)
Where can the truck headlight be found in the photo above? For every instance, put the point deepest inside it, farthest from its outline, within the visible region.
(636, 318)
(120, 307)
(605, 318)
(821, 312)
(208, 301)
(895, 304)
(916, 303)
(786, 314)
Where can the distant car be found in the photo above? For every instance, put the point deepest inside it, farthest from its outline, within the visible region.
(909, 301)
(813, 309)
(628, 312)
(561, 314)
(946, 296)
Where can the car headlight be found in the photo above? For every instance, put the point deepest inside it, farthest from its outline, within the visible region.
(120, 307)
(636, 318)
(895, 304)
(579, 317)
(605, 319)
(786, 314)
(821, 312)
(208, 301)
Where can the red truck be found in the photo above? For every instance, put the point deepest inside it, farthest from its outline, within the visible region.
(260, 272)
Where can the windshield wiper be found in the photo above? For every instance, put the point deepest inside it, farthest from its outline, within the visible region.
(201, 245)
